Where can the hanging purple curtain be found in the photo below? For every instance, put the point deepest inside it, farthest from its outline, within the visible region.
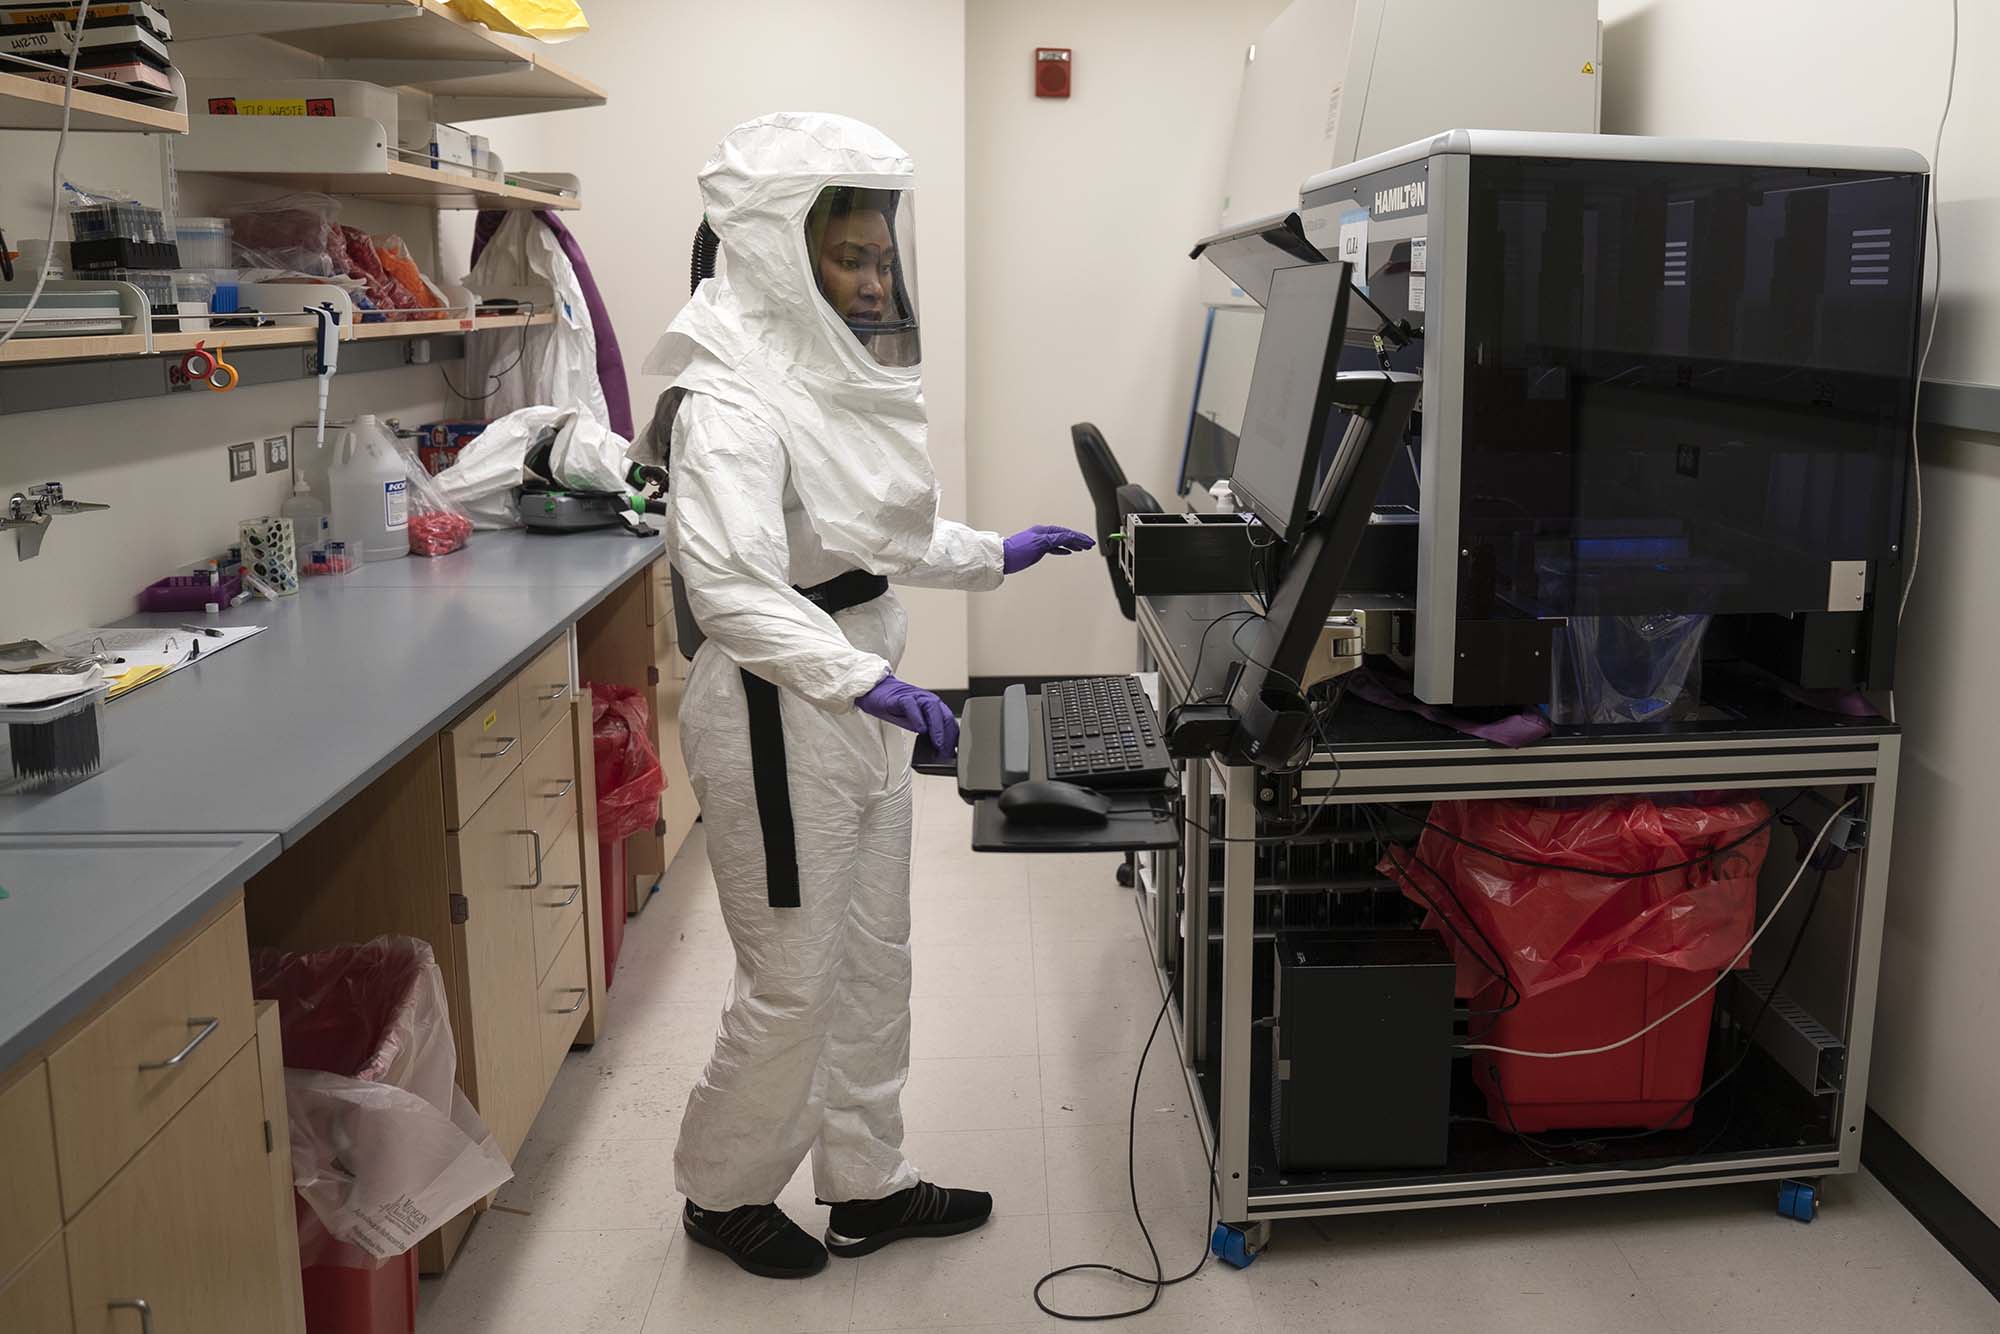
(610, 361)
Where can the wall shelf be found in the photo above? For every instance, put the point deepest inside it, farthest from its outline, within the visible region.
(107, 347)
(474, 73)
(350, 155)
(29, 104)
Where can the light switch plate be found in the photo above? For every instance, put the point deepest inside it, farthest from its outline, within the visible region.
(242, 461)
(277, 453)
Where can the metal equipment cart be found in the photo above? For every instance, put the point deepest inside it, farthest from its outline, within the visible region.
(1806, 1078)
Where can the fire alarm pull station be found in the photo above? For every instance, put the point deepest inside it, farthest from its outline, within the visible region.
(1052, 66)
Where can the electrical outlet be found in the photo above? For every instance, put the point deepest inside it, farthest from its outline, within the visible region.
(277, 453)
(242, 461)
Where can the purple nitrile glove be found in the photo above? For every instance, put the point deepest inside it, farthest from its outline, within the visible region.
(913, 709)
(1031, 544)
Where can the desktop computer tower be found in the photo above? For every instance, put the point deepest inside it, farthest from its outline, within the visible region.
(1362, 1045)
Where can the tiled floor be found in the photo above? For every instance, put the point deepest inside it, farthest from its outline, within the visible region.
(1032, 1000)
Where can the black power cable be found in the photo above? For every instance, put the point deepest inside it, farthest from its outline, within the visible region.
(1158, 1281)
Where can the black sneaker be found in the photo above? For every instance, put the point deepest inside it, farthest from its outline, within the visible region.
(860, 1226)
(759, 1238)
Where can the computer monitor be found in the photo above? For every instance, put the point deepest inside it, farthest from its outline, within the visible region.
(1291, 395)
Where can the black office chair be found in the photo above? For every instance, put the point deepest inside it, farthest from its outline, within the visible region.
(1113, 498)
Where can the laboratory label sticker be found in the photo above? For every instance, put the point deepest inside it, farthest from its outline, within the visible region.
(396, 504)
(1416, 293)
(1354, 243)
(1418, 245)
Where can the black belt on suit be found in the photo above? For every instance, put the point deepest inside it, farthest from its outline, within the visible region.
(767, 744)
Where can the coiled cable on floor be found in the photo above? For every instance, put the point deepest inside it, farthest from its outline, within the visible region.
(1157, 1281)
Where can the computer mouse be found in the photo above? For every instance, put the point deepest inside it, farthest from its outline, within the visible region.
(1053, 805)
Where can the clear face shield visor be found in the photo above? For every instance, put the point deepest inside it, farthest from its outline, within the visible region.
(861, 244)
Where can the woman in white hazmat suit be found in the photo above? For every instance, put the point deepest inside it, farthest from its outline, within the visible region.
(800, 488)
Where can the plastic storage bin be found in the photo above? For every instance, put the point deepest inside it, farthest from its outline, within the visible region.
(49, 745)
(204, 242)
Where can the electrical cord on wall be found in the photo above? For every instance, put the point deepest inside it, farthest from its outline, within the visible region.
(1930, 335)
(493, 378)
(55, 175)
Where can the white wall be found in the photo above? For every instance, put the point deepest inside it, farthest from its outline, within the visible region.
(1083, 304)
(680, 75)
(1832, 71)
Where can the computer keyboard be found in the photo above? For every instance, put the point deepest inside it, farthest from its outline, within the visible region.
(1100, 731)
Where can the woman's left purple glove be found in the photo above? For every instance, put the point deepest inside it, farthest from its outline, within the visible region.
(1031, 544)
(913, 709)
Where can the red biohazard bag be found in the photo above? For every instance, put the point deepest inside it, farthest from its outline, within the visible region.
(629, 779)
(1556, 926)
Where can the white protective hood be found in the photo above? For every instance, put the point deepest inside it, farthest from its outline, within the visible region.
(759, 336)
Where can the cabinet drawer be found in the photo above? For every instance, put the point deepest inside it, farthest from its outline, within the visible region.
(37, 1300)
(480, 750)
(564, 993)
(490, 863)
(186, 1227)
(550, 778)
(558, 904)
(545, 689)
(113, 1085)
(33, 1211)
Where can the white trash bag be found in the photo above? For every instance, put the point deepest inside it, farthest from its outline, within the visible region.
(388, 1153)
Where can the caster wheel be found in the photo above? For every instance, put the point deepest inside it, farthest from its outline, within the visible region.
(1239, 1247)
(1126, 873)
(1798, 1200)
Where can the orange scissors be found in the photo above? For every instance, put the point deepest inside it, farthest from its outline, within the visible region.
(206, 364)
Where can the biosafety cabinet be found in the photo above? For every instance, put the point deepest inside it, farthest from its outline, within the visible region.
(1662, 378)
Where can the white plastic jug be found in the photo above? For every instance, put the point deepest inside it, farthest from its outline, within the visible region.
(371, 491)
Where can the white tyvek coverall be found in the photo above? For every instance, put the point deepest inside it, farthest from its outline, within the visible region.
(814, 1042)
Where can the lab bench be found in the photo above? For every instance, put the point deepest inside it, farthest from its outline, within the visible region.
(1206, 929)
(402, 749)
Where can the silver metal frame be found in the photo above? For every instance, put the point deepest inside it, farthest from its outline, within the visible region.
(1478, 771)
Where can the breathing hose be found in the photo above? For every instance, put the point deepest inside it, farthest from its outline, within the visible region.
(702, 263)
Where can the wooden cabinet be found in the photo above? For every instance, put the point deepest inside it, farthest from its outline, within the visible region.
(480, 750)
(186, 1226)
(545, 690)
(36, 1299)
(493, 868)
(115, 1083)
(564, 993)
(183, 1214)
(32, 1212)
(556, 905)
(549, 782)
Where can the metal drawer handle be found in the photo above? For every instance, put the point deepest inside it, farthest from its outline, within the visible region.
(496, 754)
(568, 785)
(139, 1304)
(535, 834)
(582, 993)
(574, 892)
(555, 693)
(207, 1027)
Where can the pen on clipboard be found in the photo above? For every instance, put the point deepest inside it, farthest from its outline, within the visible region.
(208, 630)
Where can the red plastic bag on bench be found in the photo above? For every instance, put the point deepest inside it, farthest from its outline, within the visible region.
(629, 779)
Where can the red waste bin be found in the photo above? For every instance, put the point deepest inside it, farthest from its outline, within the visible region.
(629, 783)
(1594, 957)
(369, 1072)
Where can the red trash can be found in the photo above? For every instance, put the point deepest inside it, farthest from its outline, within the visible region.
(384, 1146)
(1594, 957)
